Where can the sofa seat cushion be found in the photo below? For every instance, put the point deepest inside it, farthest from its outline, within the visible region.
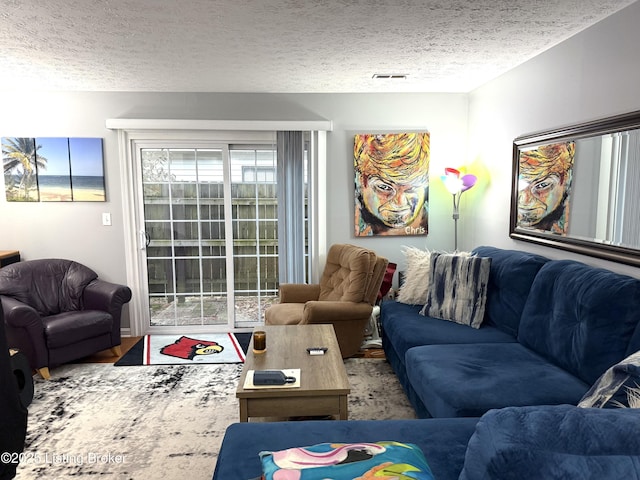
(72, 327)
(468, 380)
(443, 441)
(405, 328)
(554, 442)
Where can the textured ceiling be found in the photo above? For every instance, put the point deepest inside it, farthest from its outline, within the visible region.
(279, 45)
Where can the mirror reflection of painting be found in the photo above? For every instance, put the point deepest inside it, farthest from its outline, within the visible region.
(391, 184)
(53, 169)
(544, 187)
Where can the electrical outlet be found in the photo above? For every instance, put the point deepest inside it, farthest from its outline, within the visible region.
(106, 219)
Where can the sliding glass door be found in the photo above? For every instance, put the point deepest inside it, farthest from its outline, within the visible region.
(210, 231)
(254, 216)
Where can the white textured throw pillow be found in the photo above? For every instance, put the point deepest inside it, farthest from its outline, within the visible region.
(416, 276)
(458, 290)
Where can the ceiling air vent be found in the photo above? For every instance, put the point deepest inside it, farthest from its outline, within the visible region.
(390, 76)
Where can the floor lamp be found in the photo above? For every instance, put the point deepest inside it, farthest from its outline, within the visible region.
(457, 183)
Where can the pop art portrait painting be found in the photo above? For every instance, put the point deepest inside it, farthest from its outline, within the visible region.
(544, 187)
(391, 184)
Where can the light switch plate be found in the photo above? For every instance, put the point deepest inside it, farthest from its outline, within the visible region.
(106, 219)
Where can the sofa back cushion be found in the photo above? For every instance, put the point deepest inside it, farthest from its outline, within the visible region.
(50, 286)
(581, 318)
(347, 273)
(510, 278)
(375, 281)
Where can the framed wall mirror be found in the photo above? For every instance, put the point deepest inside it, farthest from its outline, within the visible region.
(578, 188)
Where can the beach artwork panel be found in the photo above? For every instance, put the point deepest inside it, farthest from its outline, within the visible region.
(53, 169)
(87, 169)
(54, 173)
(20, 171)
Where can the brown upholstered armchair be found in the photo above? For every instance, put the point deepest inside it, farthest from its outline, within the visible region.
(344, 297)
(56, 311)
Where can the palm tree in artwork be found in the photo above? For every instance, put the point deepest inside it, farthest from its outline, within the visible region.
(19, 156)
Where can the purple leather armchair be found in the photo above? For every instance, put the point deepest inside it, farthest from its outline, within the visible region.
(57, 310)
(13, 414)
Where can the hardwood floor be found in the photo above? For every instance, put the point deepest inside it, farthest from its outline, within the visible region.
(370, 353)
(106, 356)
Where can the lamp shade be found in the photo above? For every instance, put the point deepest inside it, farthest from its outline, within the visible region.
(455, 182)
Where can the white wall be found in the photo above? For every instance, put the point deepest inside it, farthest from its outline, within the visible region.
(74, 230)
(443, 115)
(594, 74)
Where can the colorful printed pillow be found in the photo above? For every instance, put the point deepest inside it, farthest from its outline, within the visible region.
(458, 289)
(346, 460)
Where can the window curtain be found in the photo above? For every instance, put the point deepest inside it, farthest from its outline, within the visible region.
(291, 207)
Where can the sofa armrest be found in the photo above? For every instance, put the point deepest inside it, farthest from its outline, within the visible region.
(335, 311)
(299, 292)
(554, 442)
(24, 330)
(21, 315)
(107, 297)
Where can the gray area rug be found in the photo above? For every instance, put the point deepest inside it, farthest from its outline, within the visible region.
(97, 420)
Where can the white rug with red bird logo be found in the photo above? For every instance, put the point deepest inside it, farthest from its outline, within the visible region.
(192, 349)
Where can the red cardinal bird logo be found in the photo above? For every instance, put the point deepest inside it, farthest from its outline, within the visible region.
(188, 348)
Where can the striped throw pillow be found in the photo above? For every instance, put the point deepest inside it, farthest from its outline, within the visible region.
(458, 288)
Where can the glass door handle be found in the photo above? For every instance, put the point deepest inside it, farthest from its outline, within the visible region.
(145, 239)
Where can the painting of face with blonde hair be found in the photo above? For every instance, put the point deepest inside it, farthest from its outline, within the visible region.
(391, 184)
(544, 187)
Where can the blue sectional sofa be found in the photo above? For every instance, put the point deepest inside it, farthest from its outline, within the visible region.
(504, 395)
(443, 441)
(551, 328)
(510, 278)
(560, 442)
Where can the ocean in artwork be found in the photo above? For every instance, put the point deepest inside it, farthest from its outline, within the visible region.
(62, 188)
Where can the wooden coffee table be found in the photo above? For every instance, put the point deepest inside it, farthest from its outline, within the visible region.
(324, 385)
